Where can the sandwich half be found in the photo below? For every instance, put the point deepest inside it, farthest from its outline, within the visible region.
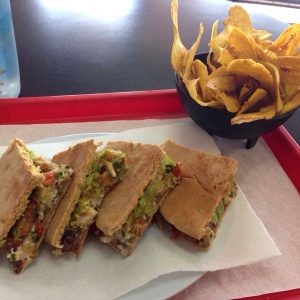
(129, 208)
(31, 190)
(96, 172)
(194, 210)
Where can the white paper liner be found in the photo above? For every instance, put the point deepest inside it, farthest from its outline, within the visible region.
(101, 273)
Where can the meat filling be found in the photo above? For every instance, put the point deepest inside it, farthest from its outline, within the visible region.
(125, 238)
(107, 170)
(26, 235)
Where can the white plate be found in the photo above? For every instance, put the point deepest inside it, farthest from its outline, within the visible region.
(169, 267)
(71, 137)
(159, 288)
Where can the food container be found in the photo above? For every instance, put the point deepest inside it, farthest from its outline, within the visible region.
(217, 121)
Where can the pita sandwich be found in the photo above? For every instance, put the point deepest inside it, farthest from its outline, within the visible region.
(31, 190)
(96, 172)
(194, 209)
(129, 208)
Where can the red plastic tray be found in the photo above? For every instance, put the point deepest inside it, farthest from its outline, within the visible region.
(125, 106)
(136, 105)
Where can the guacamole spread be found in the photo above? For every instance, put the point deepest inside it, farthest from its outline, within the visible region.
(106, 172)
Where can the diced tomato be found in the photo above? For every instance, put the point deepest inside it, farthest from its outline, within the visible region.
(49, 178)
(177, 171)
(175, 234)
(39, 229)
(138, 225)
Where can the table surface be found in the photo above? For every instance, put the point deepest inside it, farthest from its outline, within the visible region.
(82, 47)
(98, 46)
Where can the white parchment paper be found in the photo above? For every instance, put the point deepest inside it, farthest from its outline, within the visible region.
(101, 273)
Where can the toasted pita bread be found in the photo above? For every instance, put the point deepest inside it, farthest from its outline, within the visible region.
(95, 174)
(143, 166)
(18, 177)
(32, 189)
(195, 208)
(80, 158)
(210, 169)
(143, 162)
(185, 209)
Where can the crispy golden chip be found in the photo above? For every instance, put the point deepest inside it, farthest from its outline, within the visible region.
(293, 103)
(289, 68)
(238, 17)
(222, 87)
(265, 54)
(192, 87)
(210, 61)
(237, 45)
(249, 67)
(267, 112)
(288, 42)
(247, 88)
(245, 72)
(217, 43)
(221, 80)
(189, 57)
(181, 58)
(201, 72)
(257, 96)
(230, 100)
(288, 92)
(275, 94)
(261, 37)
(178, 49)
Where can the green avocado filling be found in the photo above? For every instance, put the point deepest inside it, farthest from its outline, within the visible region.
(107, 170)
(140, 217)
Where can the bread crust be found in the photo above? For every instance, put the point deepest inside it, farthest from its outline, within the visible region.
(185, 208)
(80, 158)
(18, 177)
(210, 169)
(191, 205)
(143, 163)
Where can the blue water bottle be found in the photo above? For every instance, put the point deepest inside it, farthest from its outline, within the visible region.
(9, 66)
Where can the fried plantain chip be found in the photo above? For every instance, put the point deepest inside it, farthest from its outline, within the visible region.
(192, 87)
(247, 88)
(257, 96)
(238, 17)
(179, 51)
(251, 68)
(276, 85)
(181, 58)
(222, 86)
(261, 37)
(245, 72)
(289, 68)
(288, 92)
(189, 57)
(288, 42)
(211, 62)
(267, 112)
(237, 45)
(201, 72)
(230, 100)
(293, 103)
